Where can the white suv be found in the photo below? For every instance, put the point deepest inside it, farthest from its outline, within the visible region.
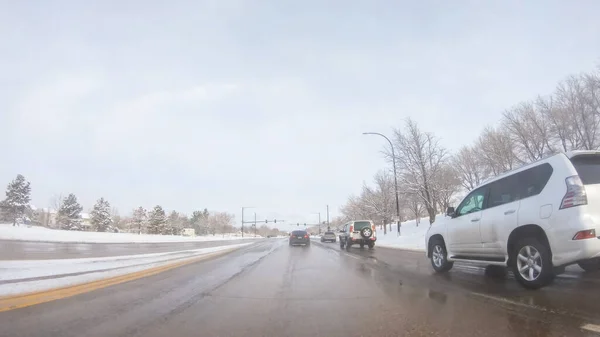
(536, 219)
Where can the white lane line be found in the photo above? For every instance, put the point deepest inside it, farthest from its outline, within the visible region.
(506, 300)
(591, 327)
(352, 256)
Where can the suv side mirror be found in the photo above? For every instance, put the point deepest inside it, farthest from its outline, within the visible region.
(450, 211)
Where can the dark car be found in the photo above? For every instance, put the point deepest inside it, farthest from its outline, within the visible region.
(299, 238)
(329, 237)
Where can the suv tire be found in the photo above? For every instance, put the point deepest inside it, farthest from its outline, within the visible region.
(348, 245)
(366, 232)
(439, 256)
(591, 265)
(371, 245)
(341, 244)
(532, 263)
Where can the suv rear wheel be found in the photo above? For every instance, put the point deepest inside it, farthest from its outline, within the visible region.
(590, 265)
(532, 264)
(348, 244)
(371, 245)
(439, 257)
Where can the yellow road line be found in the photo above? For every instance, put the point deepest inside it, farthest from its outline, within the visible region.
(26, 300)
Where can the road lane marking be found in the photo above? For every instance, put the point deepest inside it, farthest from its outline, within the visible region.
(507, 301)
(591, 327)
(26, 300)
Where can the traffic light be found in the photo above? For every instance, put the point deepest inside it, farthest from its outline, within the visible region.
(266, 221)
(298, 224)
(275, 221)
(304, 224)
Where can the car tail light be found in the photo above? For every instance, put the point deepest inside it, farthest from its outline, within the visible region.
(306, 236)
(575, 195)
(587, 234)
(351, 228)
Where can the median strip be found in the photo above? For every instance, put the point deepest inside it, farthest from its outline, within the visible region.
(37, 297)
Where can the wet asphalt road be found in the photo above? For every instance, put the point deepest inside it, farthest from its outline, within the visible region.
(270, 289)
(31, 250)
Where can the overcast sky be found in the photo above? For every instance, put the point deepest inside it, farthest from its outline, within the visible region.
(223, 104)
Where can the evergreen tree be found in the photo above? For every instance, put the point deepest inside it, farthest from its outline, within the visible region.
(196, 222)
(18, 195)
(138, 222)
(157, 220)
(69, 214)
(101, 217)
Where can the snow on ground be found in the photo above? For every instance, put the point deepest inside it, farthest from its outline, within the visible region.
(35, 233)
(412, 236)
(24, 276)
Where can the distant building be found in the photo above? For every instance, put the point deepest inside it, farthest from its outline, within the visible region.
(189, 232)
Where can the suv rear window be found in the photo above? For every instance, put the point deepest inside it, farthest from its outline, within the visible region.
(358, 225)
(299, 233)
(588, 168)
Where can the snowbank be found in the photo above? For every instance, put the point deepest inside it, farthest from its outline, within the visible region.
(35, 233)
(412, 236)
(26, 276)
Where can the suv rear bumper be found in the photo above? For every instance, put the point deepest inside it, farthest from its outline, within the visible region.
(565, 250)
(362, 240)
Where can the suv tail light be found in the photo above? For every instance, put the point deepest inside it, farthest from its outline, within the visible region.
(351, 228)
(306, 236)
(587, 234)
(575, 195)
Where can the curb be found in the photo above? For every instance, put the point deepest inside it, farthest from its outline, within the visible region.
(28, 299)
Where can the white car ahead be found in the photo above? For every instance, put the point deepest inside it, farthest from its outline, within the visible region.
(536, 219)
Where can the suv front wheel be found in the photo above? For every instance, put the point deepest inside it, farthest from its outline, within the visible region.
(532, 264)
(439, 257)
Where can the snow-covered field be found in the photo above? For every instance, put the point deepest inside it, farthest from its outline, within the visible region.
(35, 233)
(412, 236)
(24, 276)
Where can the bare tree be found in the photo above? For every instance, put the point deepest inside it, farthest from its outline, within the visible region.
(415, 206)
(470, 167)
(575, 99)
(560, 125)
(420, 158)
(380, 199)
(445, 186)
(496, 149)
(529, 132)
(220, 222)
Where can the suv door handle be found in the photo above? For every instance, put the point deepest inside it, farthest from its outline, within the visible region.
(475, 220)
(509, 212)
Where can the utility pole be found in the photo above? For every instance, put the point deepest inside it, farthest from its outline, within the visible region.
(328, 218)
(243, 219)
(254, 224)
(319, 223)
(395, 176)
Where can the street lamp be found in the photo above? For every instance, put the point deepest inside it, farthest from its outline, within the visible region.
(319, 222)
(243, 219)
(395, 176)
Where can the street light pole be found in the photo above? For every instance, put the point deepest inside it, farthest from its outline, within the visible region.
(243, 219)
(395, 176)
(328, 218)
(319, 221)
